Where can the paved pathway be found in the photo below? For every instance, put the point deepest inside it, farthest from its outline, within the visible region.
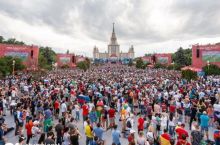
(107, 135)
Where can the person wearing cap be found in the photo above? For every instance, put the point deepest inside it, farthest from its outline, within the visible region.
(204, 119)
(35, 132)
(131, 137)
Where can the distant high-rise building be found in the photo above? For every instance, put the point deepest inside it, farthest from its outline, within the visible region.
(113, 53)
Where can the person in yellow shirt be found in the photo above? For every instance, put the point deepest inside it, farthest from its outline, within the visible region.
(88, 132)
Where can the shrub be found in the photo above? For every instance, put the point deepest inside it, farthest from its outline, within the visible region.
(189, 75)
(159, 65)
(65, 66)
(211, 69)
(174, 67)
(140, 64)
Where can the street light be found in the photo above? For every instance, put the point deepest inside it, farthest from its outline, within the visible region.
(208, 63)
(13, 71)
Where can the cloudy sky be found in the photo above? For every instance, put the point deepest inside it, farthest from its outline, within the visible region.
(78, 25)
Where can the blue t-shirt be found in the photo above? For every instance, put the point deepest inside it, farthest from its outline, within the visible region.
(204, 120)
(116, 136)
(98, 132)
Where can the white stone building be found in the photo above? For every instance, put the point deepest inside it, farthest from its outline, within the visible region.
(113, 53)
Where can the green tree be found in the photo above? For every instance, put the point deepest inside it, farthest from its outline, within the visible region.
(189, 75)
(46, 57)
(7, 67)
(182, 57)
(140, 64)
(84, 65)
(1, 39)
(211, 69)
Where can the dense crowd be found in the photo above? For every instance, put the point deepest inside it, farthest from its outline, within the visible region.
(146, 107)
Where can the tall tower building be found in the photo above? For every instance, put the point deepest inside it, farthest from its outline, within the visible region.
(113, 54)
(113, 47)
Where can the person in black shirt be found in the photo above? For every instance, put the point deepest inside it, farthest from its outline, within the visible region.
(59, 129)
(192, 115)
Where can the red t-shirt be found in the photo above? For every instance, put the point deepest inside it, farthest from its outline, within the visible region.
(130, 138)
(85, 109)
(140, 123)
(180, 131)
(28, 127)
(182, 142)
(172, 108)
(111, 113)
(56, 105)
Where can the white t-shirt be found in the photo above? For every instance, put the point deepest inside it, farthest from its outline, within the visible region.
(63, 107)
(77, 107)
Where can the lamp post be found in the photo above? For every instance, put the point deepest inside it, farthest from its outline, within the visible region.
(208, 63)
(13, 71)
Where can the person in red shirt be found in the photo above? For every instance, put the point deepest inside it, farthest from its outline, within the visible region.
(164, 107)
(56, 108)
(140, 123)
(111, 114)
(183, 141)
(181, 131)
(131, 138)
(172, 109)
(85, 111)
(165, 138)
(28, 127)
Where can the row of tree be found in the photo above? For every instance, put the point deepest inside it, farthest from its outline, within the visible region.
(11, 41)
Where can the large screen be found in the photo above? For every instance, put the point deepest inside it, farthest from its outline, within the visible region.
(162, 59)
(211, 56)
(65, 60)
(22, 55)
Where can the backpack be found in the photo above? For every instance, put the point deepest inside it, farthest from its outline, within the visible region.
(128, 124)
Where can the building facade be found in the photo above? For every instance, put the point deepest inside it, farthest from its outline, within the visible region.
(28, 54)
(68, 60)
(113, 53)
(162, 58)
(205, 54)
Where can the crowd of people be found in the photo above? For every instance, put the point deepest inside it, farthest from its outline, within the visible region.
(137, 107)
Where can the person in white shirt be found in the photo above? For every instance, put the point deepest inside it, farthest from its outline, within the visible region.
(4, 106)
(63, 108)
(35, 132)
(77, 109)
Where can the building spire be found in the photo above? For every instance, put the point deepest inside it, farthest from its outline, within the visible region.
(113, 31)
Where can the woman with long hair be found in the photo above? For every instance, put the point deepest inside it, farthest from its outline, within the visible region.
(41, 139)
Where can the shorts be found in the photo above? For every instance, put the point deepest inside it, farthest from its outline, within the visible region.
(187, 112)
(204, 128)
(57, 111)
(112, 120)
